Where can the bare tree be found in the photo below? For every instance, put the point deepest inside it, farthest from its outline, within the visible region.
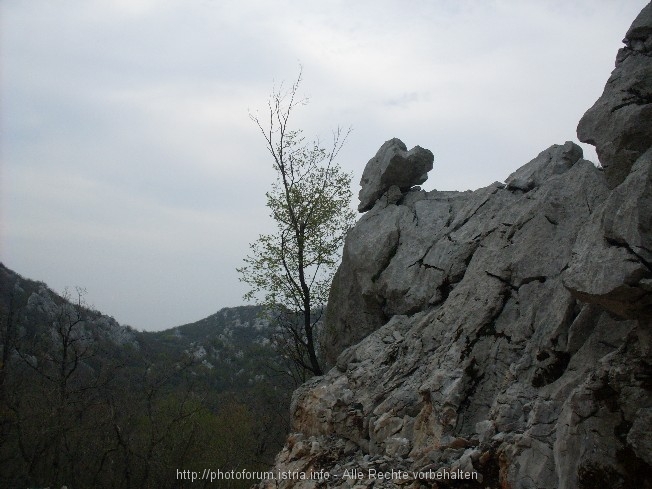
(310, 204)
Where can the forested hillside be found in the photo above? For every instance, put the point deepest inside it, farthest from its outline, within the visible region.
(86, 402)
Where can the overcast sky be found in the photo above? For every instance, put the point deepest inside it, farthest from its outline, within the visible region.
(130, 166)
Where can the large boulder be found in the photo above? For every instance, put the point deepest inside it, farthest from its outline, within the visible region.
(392, 166)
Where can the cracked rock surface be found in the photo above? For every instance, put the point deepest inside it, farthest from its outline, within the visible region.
(504, 332)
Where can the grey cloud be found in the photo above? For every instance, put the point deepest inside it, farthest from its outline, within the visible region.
(140, 107)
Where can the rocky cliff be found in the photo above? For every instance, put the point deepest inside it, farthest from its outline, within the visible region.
(495, 338)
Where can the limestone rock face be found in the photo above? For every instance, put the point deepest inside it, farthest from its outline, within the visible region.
(504, 334)
(611, 262)
(620, 122)
(406, 258)
(393, 166)
(612, 258)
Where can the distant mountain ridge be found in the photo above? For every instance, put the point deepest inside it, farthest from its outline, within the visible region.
(231, 347)
(34, 301)
(233, 327)
(87, 402)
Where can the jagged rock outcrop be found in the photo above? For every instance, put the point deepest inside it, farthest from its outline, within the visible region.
(393, 166)
(504, 332)
(612, 259)
(619, 124)
(553, 162)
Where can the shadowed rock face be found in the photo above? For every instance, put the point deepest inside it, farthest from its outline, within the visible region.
(504, 332)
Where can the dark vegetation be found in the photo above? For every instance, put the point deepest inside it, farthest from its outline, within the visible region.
(85, 402)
